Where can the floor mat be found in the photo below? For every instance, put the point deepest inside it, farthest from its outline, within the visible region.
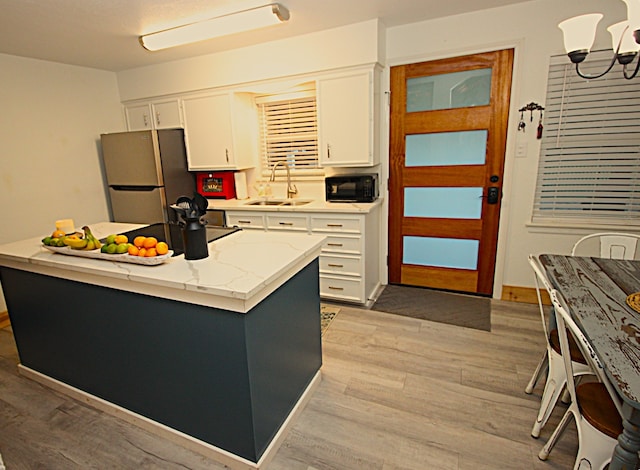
(468, 311)
(327, 314)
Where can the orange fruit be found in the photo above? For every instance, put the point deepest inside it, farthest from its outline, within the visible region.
(142, 252)
(150, 242)
(151, 252)
(120, 239)
(57, 234)
(162, 248)
(133, 250)
(139, 241)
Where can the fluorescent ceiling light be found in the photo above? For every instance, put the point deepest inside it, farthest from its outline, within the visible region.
(236, 22)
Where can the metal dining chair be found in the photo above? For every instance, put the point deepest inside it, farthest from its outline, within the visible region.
(595, 405)
(556, 376)
(614, 245)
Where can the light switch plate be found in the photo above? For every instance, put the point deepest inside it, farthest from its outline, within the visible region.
(521, 149)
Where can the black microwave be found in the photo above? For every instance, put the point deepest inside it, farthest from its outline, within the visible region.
(351, 188)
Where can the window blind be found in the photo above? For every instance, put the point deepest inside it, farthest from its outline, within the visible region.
(289, 132)
(589, 168)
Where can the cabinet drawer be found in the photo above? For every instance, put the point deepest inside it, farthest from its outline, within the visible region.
(246, 220)
(337, 244)
(287, 222)
(333, 224)
(343, 289)
(347, 266)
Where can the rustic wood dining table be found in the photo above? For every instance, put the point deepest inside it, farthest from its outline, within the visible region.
(595, 291)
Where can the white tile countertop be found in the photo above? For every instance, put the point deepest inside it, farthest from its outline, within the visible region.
(313, 206)
(241, 270)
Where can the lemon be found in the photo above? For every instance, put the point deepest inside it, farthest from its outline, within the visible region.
(112, 248)
(110, 239)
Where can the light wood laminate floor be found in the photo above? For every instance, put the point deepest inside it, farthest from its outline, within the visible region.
(397, 393)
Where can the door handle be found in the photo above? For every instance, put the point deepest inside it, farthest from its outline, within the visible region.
(493, 195)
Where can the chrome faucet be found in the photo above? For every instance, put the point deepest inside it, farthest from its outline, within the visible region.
(291, 189)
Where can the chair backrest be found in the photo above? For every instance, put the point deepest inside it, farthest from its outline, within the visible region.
(614, 245)
(540, 277)
(567, 324)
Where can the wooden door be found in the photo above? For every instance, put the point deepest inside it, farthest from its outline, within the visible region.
(447, 145)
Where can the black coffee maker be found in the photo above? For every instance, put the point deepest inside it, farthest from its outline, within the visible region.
(194, 232)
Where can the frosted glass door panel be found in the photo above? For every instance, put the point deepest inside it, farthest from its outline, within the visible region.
(441, 252)
(449, 90)
(446, 148)
(449, 203)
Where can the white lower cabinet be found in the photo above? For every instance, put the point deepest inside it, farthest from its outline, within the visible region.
(349, 262)
(243, 219)
(288, 222)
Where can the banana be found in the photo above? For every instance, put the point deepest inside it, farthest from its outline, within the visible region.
(92, 242)
(75, 242)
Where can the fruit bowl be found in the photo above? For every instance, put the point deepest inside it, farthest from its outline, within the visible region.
(120, 258)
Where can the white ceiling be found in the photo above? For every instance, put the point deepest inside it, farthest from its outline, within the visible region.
(104, 33)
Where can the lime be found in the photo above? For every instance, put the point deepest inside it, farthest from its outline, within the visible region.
(110, 239)
(112, 248)
(122, 248)
(47, 240)
(103, 248)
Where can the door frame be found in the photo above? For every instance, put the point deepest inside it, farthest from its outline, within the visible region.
(505, 220)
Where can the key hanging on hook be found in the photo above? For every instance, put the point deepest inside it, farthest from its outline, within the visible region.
(521, 124)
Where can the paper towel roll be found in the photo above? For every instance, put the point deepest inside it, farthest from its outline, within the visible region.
(66, 225)
(241, 185)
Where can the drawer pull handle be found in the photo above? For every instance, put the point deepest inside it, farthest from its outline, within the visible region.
(285, 223)
(336, 265)
(244, 221)
(334, 225)
(336, 288)
(334, 244)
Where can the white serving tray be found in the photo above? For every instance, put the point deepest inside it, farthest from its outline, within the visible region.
(122, 258)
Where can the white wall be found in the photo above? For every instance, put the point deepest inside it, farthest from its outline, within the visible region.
(53, 113)
(50, 125)
(531, 28)
(325, 50)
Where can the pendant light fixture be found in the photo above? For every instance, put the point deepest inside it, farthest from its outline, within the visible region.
(235, 22)
(580, 33)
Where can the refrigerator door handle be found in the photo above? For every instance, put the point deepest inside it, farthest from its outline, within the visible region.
(133, 188)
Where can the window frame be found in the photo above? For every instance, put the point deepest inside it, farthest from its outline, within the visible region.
(308, 167)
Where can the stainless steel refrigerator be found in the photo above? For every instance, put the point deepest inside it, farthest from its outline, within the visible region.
(146, 172)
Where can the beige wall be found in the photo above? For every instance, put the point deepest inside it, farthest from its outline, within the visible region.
(50, 125)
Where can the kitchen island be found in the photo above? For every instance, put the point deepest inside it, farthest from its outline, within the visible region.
(218, 354)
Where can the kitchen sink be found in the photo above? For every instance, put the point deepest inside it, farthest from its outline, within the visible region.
(264, 203)
(279, 202)
(296, 202)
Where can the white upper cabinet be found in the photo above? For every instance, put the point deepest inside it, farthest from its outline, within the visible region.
(139, 117)
(165, 114)
(218, 131)
(348, 119)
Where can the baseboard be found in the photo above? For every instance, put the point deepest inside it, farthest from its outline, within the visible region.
(524, 294)
(196, 445)
(4, 320)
